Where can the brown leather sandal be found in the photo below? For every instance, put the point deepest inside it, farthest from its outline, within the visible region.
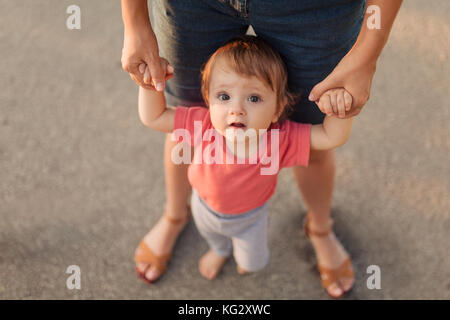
(149, 257)
(330, 276)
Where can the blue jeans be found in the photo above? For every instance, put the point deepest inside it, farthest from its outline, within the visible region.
(312, 36)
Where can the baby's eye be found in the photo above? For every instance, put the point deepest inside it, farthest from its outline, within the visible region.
(254, 99)
(223, 97)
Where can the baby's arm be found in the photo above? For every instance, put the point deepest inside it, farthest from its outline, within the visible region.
(333, 132)
(153, 111)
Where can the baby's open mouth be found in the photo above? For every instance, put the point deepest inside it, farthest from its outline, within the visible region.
(237, 125)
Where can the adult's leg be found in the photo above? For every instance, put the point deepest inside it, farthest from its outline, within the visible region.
(316, 183)
(188, 31)
(312, 37)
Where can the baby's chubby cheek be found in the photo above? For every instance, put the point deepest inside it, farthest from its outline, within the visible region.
(219, 123)
(218, 117)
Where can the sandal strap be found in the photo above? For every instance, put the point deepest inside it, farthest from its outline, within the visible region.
(149, 257)
(308, 232)
(330, 276)
(178, 220)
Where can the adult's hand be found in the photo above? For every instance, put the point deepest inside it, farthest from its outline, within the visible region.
(356, 70)
(142, 47)
(353, 73)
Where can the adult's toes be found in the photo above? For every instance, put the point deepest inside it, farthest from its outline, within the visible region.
(141, 267)
(334, 290)
(152, 274)
(347, 283)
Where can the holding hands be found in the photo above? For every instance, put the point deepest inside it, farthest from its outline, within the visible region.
(335, 102)
(165, 67)
(354, 73)
(141, 48)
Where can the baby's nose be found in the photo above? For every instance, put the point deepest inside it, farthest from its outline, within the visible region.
(237, 110)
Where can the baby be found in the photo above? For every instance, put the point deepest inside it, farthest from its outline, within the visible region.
(240, 142)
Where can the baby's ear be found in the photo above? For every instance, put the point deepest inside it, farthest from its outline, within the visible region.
(277, 114)
(280, 108)
(283, 104)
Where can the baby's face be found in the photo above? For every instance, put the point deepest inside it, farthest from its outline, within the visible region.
(236, 102)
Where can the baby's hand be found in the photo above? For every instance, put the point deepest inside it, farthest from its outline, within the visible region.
(165, 66)
(335, 102)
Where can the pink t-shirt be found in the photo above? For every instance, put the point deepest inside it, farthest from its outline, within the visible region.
(232, 187)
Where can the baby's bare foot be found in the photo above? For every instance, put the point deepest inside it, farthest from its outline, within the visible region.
(241, 270)
(210, 264)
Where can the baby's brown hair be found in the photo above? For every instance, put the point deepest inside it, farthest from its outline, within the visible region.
(251, 56)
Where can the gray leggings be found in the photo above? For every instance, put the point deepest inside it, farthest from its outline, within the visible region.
(243, 234)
